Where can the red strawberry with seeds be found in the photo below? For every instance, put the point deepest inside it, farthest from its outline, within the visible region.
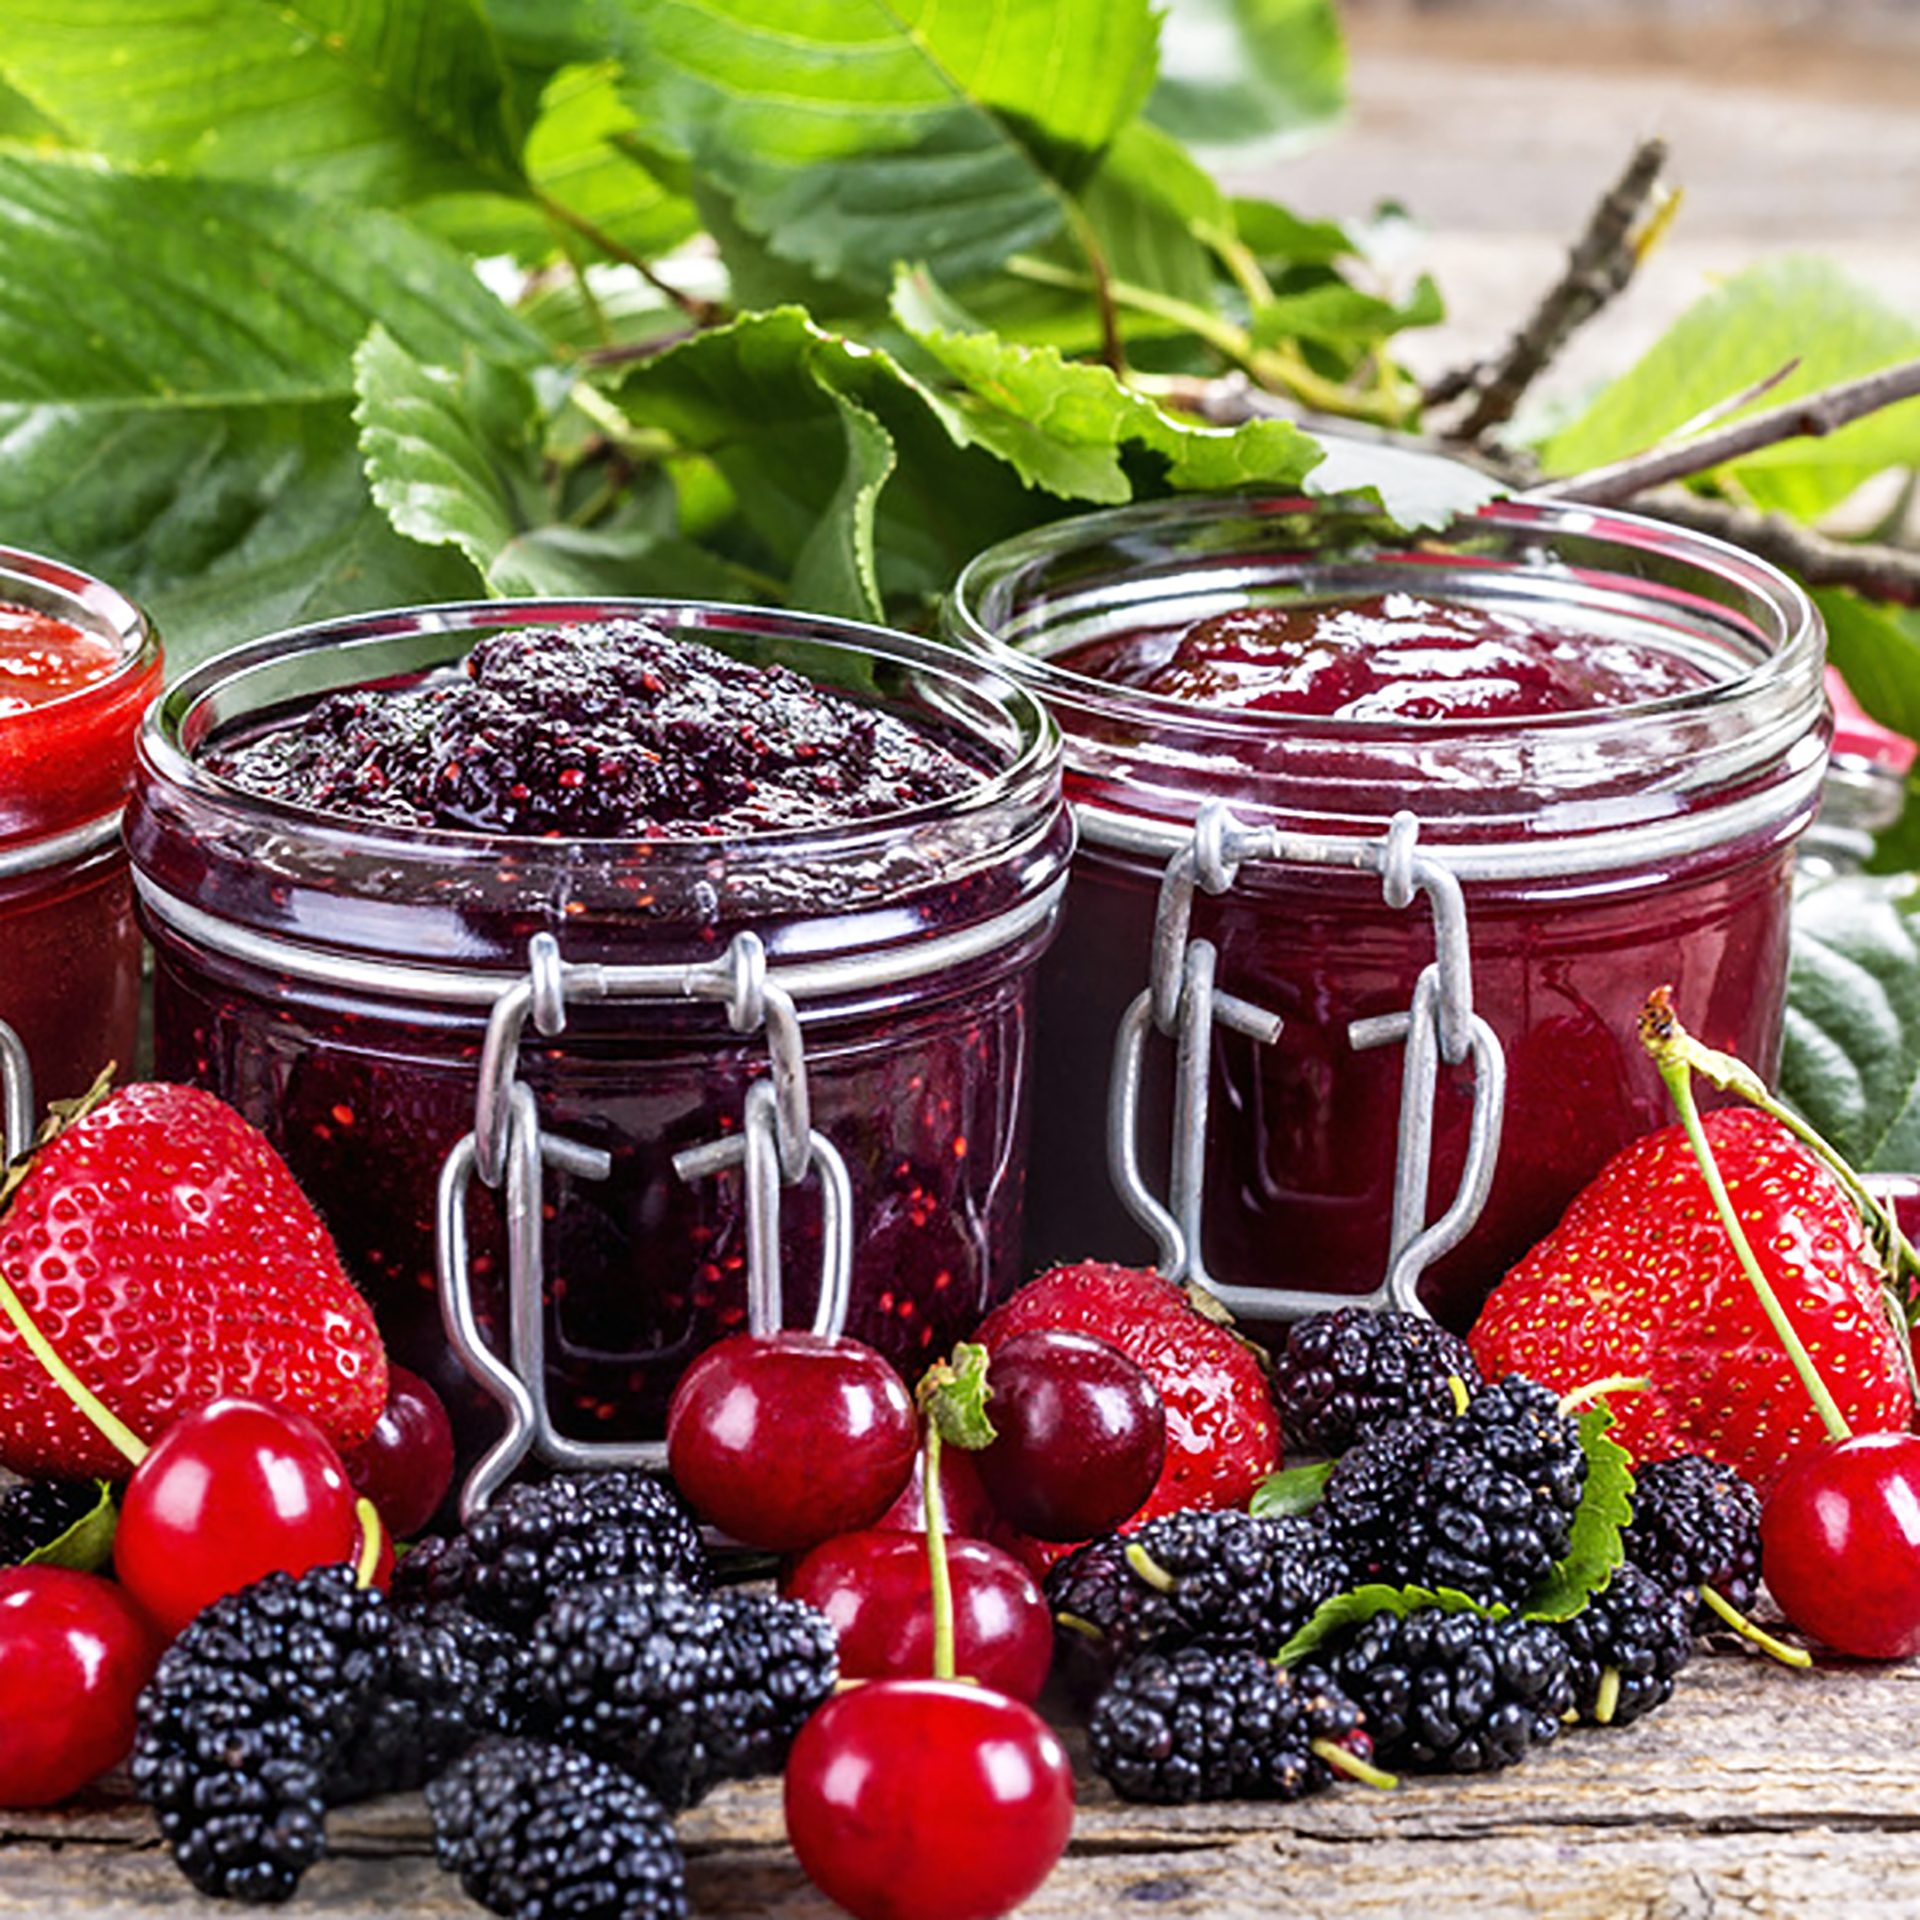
(1223, 1435)
(161, 1249)
(1641, 1278)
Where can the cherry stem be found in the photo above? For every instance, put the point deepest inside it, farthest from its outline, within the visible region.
(370, 1534)
(106, 1423)
(942, 1580)
(1345, 1760)
(1606, 1697)
(1759, 1636)
(1660, 1031)
(1597, 1389)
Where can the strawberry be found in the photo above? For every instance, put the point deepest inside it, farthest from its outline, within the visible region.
(161, 1249)
(1223, 1435)
(1642, 1278)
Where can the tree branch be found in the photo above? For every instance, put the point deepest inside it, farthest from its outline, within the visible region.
(1599, 265)
(1812, 415)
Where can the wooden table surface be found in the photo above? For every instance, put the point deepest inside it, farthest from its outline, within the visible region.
(1757, 1792)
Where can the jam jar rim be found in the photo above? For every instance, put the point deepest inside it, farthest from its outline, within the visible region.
(106, 611)
(1800, 628)
(162, 747)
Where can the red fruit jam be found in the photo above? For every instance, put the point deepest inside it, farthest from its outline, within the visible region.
(1611, 732)
(77, 665)
(345, 840)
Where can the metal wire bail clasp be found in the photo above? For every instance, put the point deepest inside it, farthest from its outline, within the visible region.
(16, 1097)
(509, 1151)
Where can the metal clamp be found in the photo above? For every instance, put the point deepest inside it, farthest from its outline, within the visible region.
(16, 1097)
(509, 1150)
(1183, 1003)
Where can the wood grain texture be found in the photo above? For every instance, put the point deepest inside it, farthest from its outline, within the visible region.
(1758, 1792)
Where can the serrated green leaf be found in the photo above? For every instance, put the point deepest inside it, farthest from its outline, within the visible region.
(1061, 424)
(1850, 1058)
(1291, 1490)
(1234, 71)
(1595, 1550)
(87, 1545)
(953, 1394)
(380, 103)
(1362, 1603)
(1742, 333)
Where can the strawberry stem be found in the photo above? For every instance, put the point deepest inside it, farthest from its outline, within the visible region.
(942, 1580)
(1759, 1636)
(107, 1424)
(1660, 1033)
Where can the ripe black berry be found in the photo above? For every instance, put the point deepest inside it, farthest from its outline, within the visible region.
(1625, 1646)
(1696, 1524)
(1202, 1725)
(540, 1832)
(244, 1719)
(35, 1513)
(682, 1689)
(1342, 1374)
(1454, 1692)
(1367, 1496)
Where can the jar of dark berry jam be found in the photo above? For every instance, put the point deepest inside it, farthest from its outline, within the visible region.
(632, 836)
(77, 664)
(1426, 818)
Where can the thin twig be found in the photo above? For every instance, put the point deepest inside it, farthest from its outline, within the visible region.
(1599, 265)
(1869, 568)
(1812, 415)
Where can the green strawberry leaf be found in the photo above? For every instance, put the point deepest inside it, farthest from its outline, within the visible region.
(1606, 1506)
(1850, 1057)
(953, 1394)
(1361, 1604)
(1291, 1490)
(87, 1545)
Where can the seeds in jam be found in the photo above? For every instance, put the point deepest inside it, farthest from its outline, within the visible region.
(1391, 656)
(608, 731)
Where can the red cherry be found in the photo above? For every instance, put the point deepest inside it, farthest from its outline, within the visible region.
(74, 1654)
(876, 1589)
(1840, 1544)
(927, 1800)
(231, 1492)
(1081, 1435)
(785, 1439)
(963, 1500)
(405, 1465)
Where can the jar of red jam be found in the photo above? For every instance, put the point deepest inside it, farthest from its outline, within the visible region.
(77, 664)
(353, 852)
(1600, 737)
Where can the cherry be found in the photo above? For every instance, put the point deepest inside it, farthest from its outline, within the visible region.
(963, 1499)
(1081, 1435)
(231, 1492)
(927, 1800)
(74, 1654)
(405, 1465)
(783, 1440)
(877, 1589)
(1840, 1544)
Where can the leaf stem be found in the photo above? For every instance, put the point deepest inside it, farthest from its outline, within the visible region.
(644, 444)
(703, 313)
(1758, 1635)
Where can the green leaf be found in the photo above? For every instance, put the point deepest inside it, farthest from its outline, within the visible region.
(1291, 1490)
(1739, 335)
(87, 1545)
(850, 134)
(1877, 649)
(1595, 1549)
(1342, 316)
(1279, 237)
(1363, 1603)
(21, 121)
(1414, 489)
(1850, 1061)
(1233, 71)
(954, 1393)
(1061, 424)
(383, 103)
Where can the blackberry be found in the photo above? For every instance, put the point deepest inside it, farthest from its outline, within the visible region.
(1342, 1374)
(453, 1678)
(682, 1689)
(1202, 1725)
(1697, 1524)
(539, 1539)
(1454, 1692)
(1216, 1579)
(540, 1832)
(35, 1513)
(243, 1719)
(1364, 1505)
(1625, 1646)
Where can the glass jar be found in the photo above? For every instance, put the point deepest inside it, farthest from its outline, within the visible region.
(334, 980)
(1599, 854)
(69, 949)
